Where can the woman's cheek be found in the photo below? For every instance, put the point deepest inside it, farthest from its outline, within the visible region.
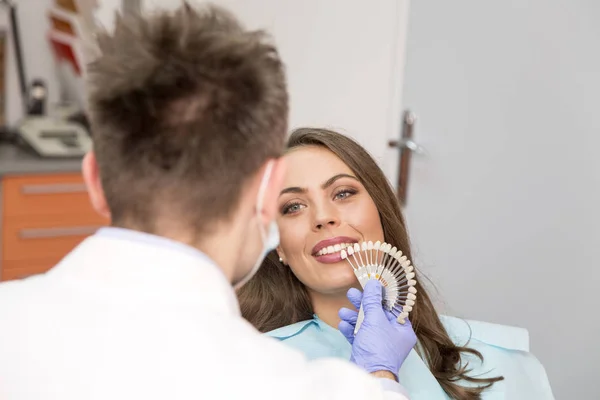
(357, 215)
(363, 216)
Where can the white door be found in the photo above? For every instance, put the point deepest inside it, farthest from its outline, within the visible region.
(503, 209)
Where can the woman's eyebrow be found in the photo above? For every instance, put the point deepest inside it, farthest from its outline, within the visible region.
(325, 185)
(293, 189)
(334, 178)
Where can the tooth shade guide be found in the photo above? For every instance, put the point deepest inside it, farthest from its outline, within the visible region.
(391, 267)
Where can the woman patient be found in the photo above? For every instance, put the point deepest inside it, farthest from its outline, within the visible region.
(335, 193)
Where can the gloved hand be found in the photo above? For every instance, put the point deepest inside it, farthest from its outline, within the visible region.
(381, 343)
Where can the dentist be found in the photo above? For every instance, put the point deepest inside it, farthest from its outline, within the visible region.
(189, 116)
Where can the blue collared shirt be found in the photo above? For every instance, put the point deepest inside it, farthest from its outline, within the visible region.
(154, 240)
(505, 350)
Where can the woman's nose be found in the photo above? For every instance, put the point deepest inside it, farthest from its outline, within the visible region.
(325, 218)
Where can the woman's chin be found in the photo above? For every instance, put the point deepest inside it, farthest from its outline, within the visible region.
(340, 283)
(330, 279)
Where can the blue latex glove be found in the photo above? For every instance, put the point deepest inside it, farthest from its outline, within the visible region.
(381, 343)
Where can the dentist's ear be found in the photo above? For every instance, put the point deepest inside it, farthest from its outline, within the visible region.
(274, 187)
(91, 177)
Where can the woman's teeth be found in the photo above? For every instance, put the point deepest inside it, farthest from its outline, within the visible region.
(333, 249)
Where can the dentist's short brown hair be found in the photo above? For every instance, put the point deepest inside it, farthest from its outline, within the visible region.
(184, 107)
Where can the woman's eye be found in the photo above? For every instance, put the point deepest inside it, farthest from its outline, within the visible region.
(291, 208)
(342, 194)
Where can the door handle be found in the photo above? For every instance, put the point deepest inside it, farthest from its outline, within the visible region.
(406, 146)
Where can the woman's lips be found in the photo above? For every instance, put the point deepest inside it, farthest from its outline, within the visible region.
(329, 258)
(333, 244)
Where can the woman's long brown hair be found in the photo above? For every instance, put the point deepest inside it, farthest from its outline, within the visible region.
(276, 298)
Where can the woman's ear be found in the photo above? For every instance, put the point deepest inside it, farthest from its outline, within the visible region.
(91, 177)
(281, 255)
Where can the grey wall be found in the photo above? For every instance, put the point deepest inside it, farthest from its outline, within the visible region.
(508, 99)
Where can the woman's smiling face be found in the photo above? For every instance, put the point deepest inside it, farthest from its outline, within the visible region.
(322, 208)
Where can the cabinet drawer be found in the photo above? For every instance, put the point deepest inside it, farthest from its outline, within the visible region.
(45, 238)
(44, 195)
(19, 270)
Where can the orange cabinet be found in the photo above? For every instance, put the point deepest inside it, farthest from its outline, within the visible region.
(44, 195)
(43, 218)
(15, 270)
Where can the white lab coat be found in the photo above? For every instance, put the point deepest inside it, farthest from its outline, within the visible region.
(133, 316)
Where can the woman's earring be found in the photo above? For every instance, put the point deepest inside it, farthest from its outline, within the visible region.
(281, 260)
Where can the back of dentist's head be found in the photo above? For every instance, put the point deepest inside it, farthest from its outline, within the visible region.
(188, 109)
